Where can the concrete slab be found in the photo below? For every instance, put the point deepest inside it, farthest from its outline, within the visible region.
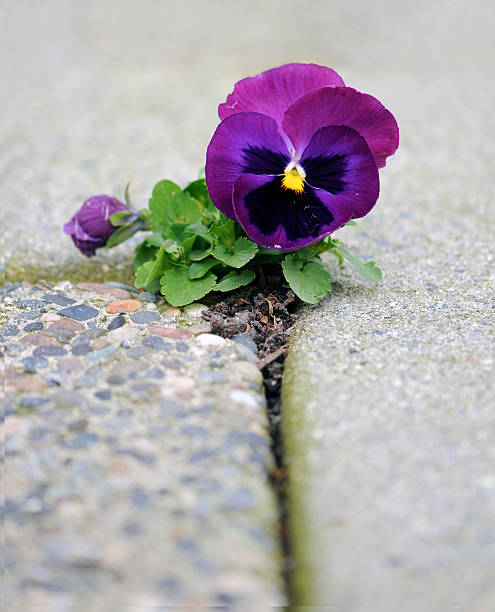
(136, 462)
(389, 391)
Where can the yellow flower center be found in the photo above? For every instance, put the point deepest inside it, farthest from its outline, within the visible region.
(294, 177)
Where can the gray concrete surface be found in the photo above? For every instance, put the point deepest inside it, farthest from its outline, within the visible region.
(389, 391)
(136, 458)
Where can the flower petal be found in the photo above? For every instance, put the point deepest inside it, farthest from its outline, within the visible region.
(283, 219)
(242, 143)
(341, 183)
(343, 106)
(338, 160)
(273, 91)
(94, 215)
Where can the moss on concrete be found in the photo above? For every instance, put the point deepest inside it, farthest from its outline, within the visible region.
(294, 399)
(75, 270)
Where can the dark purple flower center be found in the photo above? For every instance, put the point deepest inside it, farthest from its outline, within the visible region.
(294, 203)
(258, 160)
(301, 214)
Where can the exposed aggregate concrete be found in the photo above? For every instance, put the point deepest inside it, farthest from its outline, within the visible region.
(135, 463)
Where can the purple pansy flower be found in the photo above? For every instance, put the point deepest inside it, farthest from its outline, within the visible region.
(296, 155)
(90, 227)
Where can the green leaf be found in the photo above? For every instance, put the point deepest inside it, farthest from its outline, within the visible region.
(242, 251)
(199, 191)
(234, 280)
(151, 270)
(198, 254)
(185, 209)
(119, 218)
(223, 231)
(124, 233)
(337, 254)
(127, 195)
(369, 270)
(307, 252)
(309, 280)
(155, 240)
(265, 251)
(143, 273)
(144, 252)
(199, 229)
(180, 290)
(200, 268)
(161, 200)
(176, 232)
(169, 204)
(351, 222)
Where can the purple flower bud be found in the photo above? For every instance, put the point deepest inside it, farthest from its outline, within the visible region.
(90, 227)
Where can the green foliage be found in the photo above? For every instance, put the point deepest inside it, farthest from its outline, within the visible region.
(193, 249)
(238, 255)
(180, 290)
(234, 280)
(369, 270)
(307, 278)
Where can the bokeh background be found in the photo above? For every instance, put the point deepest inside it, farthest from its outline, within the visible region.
(98, 93)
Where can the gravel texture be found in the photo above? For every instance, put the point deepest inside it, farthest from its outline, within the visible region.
(389, 391)
(136, 462)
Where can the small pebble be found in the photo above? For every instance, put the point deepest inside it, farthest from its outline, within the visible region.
(105, 289)
(99, 343)
(156, 342)
(116, 322)
(82, 440)
(80, 312)
(172, 332)
(210, 340)
(202, 328)
(105, 394)
(32, 402)
(32, 364)
(37, 325)
(155, 373)
(145, 296)
(49, 351)
(10, 330)
(60, 300)
(100, 355)
(65, 324)
(39, 339)
(121, 286)
(171, 313)
(136, 352)
(69, 364)
(81, 348)
(145, 316)
(30, 314)
(31, 304)
(246, 340)
(124, 306)
(194, 310)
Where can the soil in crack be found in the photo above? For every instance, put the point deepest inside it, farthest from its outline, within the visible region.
(263, 313)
